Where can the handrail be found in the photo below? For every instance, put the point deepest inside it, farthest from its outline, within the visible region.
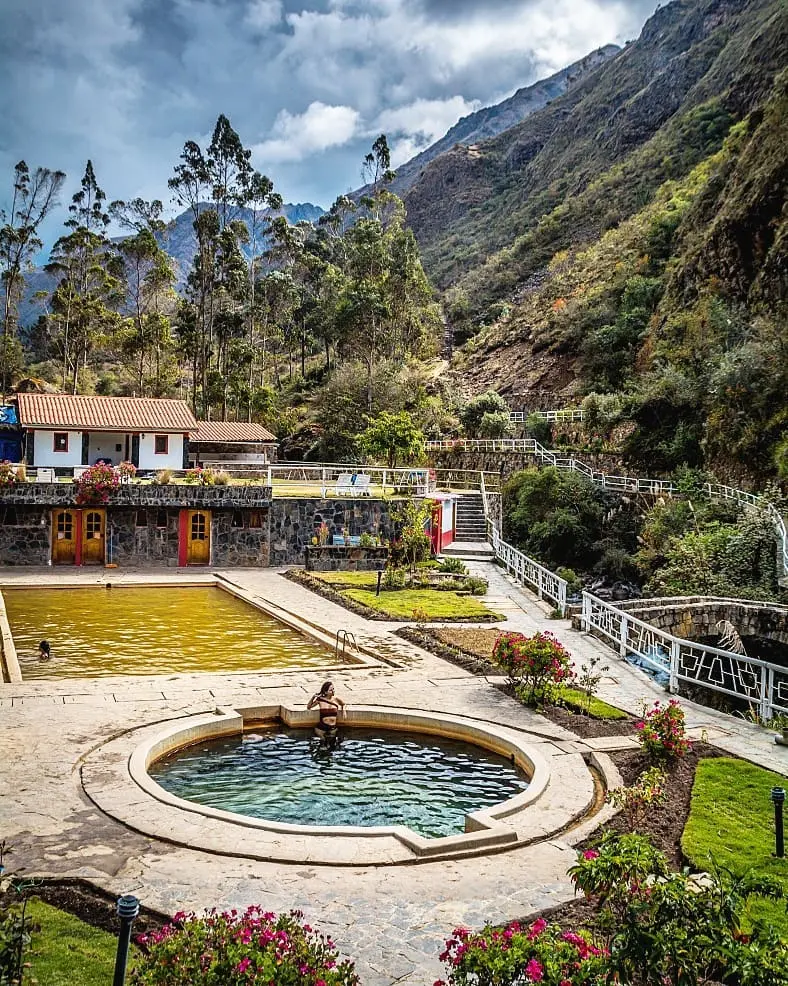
(619, 484)
(567, 414)
(546, 583)
(748, 678)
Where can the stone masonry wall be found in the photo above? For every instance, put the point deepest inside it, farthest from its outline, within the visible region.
(698, 619)
(336, 558)
(137, 545)
(24, 540)
(240, 546)
(508, 463)
(295, 522)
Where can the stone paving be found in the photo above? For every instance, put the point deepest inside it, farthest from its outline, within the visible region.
(392, 919)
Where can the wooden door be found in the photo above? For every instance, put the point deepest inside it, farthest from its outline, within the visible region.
(198, 534)
(94, 523)
(64, 537)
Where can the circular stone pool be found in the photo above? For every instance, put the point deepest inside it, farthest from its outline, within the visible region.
(376, 777)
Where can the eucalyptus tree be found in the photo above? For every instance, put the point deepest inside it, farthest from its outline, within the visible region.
(33, 197)
(146, 335)
(84, 304)
(216, 185)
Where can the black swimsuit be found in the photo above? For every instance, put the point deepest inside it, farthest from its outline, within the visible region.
(328, 713)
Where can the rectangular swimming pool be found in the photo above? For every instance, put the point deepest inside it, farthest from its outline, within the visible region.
(98, 632)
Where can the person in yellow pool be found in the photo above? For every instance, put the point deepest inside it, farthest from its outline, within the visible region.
(331, 707)
(44, 651)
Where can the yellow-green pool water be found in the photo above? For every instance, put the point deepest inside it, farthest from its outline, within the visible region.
(96, 632)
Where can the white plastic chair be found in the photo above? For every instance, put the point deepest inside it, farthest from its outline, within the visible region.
(45, 475)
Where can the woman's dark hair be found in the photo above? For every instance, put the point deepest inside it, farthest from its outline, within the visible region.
(327, 686)
(44, 646)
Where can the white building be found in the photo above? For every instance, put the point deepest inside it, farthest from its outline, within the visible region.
(63, 431)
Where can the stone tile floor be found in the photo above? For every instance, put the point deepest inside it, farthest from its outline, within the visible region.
(392, 920)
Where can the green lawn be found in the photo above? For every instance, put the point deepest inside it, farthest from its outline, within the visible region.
(67, 951)
(576, 700)
(357, 580)
(438, 605)
(732, 822)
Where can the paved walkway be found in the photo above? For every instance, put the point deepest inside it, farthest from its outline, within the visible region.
(392, 920)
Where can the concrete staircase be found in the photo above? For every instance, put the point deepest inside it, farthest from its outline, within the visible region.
(471, 530)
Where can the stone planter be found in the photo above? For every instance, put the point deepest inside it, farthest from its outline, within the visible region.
(344, 558)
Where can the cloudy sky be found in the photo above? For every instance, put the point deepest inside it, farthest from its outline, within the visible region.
(308, 84)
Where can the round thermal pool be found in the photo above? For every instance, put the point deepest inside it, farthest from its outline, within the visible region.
(375, 777)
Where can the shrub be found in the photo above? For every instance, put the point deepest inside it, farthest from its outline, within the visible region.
(96, 483)
(662, 731)
(535, 665)
(8, 475)
(472, 414)
(520, 954)
(474, 585)
(636, 800)
(367, 540)
(163, 477)
(21, 473)
(455, 566)
(677, 929)
(127, 470)
(15, 929)
(221, 478)
(255, 948)
(393, 578)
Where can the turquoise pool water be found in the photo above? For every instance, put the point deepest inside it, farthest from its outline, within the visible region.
(375, 777)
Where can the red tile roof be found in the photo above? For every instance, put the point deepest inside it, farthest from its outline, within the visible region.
(104, 413)
(231, 431)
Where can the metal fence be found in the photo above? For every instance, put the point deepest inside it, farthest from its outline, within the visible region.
(763, 686)
(620, 484)
(567, 414)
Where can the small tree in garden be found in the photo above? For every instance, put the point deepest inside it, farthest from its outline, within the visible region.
(588, 679)
(662, 732)
(637, 800)
(96, 483)
(393, 437)
(414, 540)
(535, 665)
(255, 948)
(520, 954)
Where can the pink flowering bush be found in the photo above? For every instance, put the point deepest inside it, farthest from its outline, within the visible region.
(8, 476)
(228, 948)
(535, 665)
(662, 732)
(96, 483)
(127, 470)
(521, 954)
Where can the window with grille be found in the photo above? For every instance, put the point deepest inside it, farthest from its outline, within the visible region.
(198, 527)
(60, 441)
(161, 444)
(93, 527)
(65, 526)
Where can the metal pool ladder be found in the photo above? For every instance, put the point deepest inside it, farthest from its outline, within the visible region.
(348, 641)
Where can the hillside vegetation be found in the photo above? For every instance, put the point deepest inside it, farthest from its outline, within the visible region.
(645, 245)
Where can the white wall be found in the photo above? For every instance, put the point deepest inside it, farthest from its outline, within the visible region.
(43, 454)
(102, 446)
(148, 458)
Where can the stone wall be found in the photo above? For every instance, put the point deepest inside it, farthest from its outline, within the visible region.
(24, 539)
(136, 495)
(294, 522)
(236, 544)
(508, 463)
(338, 558)
(144, 538)
(696, 617)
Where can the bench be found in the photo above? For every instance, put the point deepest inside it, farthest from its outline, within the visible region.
(45, 475)
(353, 484)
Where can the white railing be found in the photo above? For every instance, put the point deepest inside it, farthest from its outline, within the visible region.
(568, 414)
(546, 583)
(762, 685)
(619, 484)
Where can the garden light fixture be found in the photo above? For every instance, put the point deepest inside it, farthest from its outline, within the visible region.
(778, 799)
(128, 909)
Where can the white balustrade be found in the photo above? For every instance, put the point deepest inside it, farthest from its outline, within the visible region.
(762, 685)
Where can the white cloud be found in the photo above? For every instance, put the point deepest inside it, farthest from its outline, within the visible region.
(425, 119)
(316, 129)
(262, 15)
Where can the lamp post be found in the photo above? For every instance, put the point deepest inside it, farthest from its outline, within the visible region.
(778, 799)
(128, 909)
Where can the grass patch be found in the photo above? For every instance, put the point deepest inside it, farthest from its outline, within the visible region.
(68, 951)
(577, 700)
(443, 605)
(354, 580)
(731, 822)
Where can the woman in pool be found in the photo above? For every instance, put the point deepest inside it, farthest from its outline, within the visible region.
(44, 651)
(331, 706)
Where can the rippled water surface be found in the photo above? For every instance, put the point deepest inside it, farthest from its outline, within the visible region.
(95, 632)
(374, 778)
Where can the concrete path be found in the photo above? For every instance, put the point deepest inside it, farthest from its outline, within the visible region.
(392, 920)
